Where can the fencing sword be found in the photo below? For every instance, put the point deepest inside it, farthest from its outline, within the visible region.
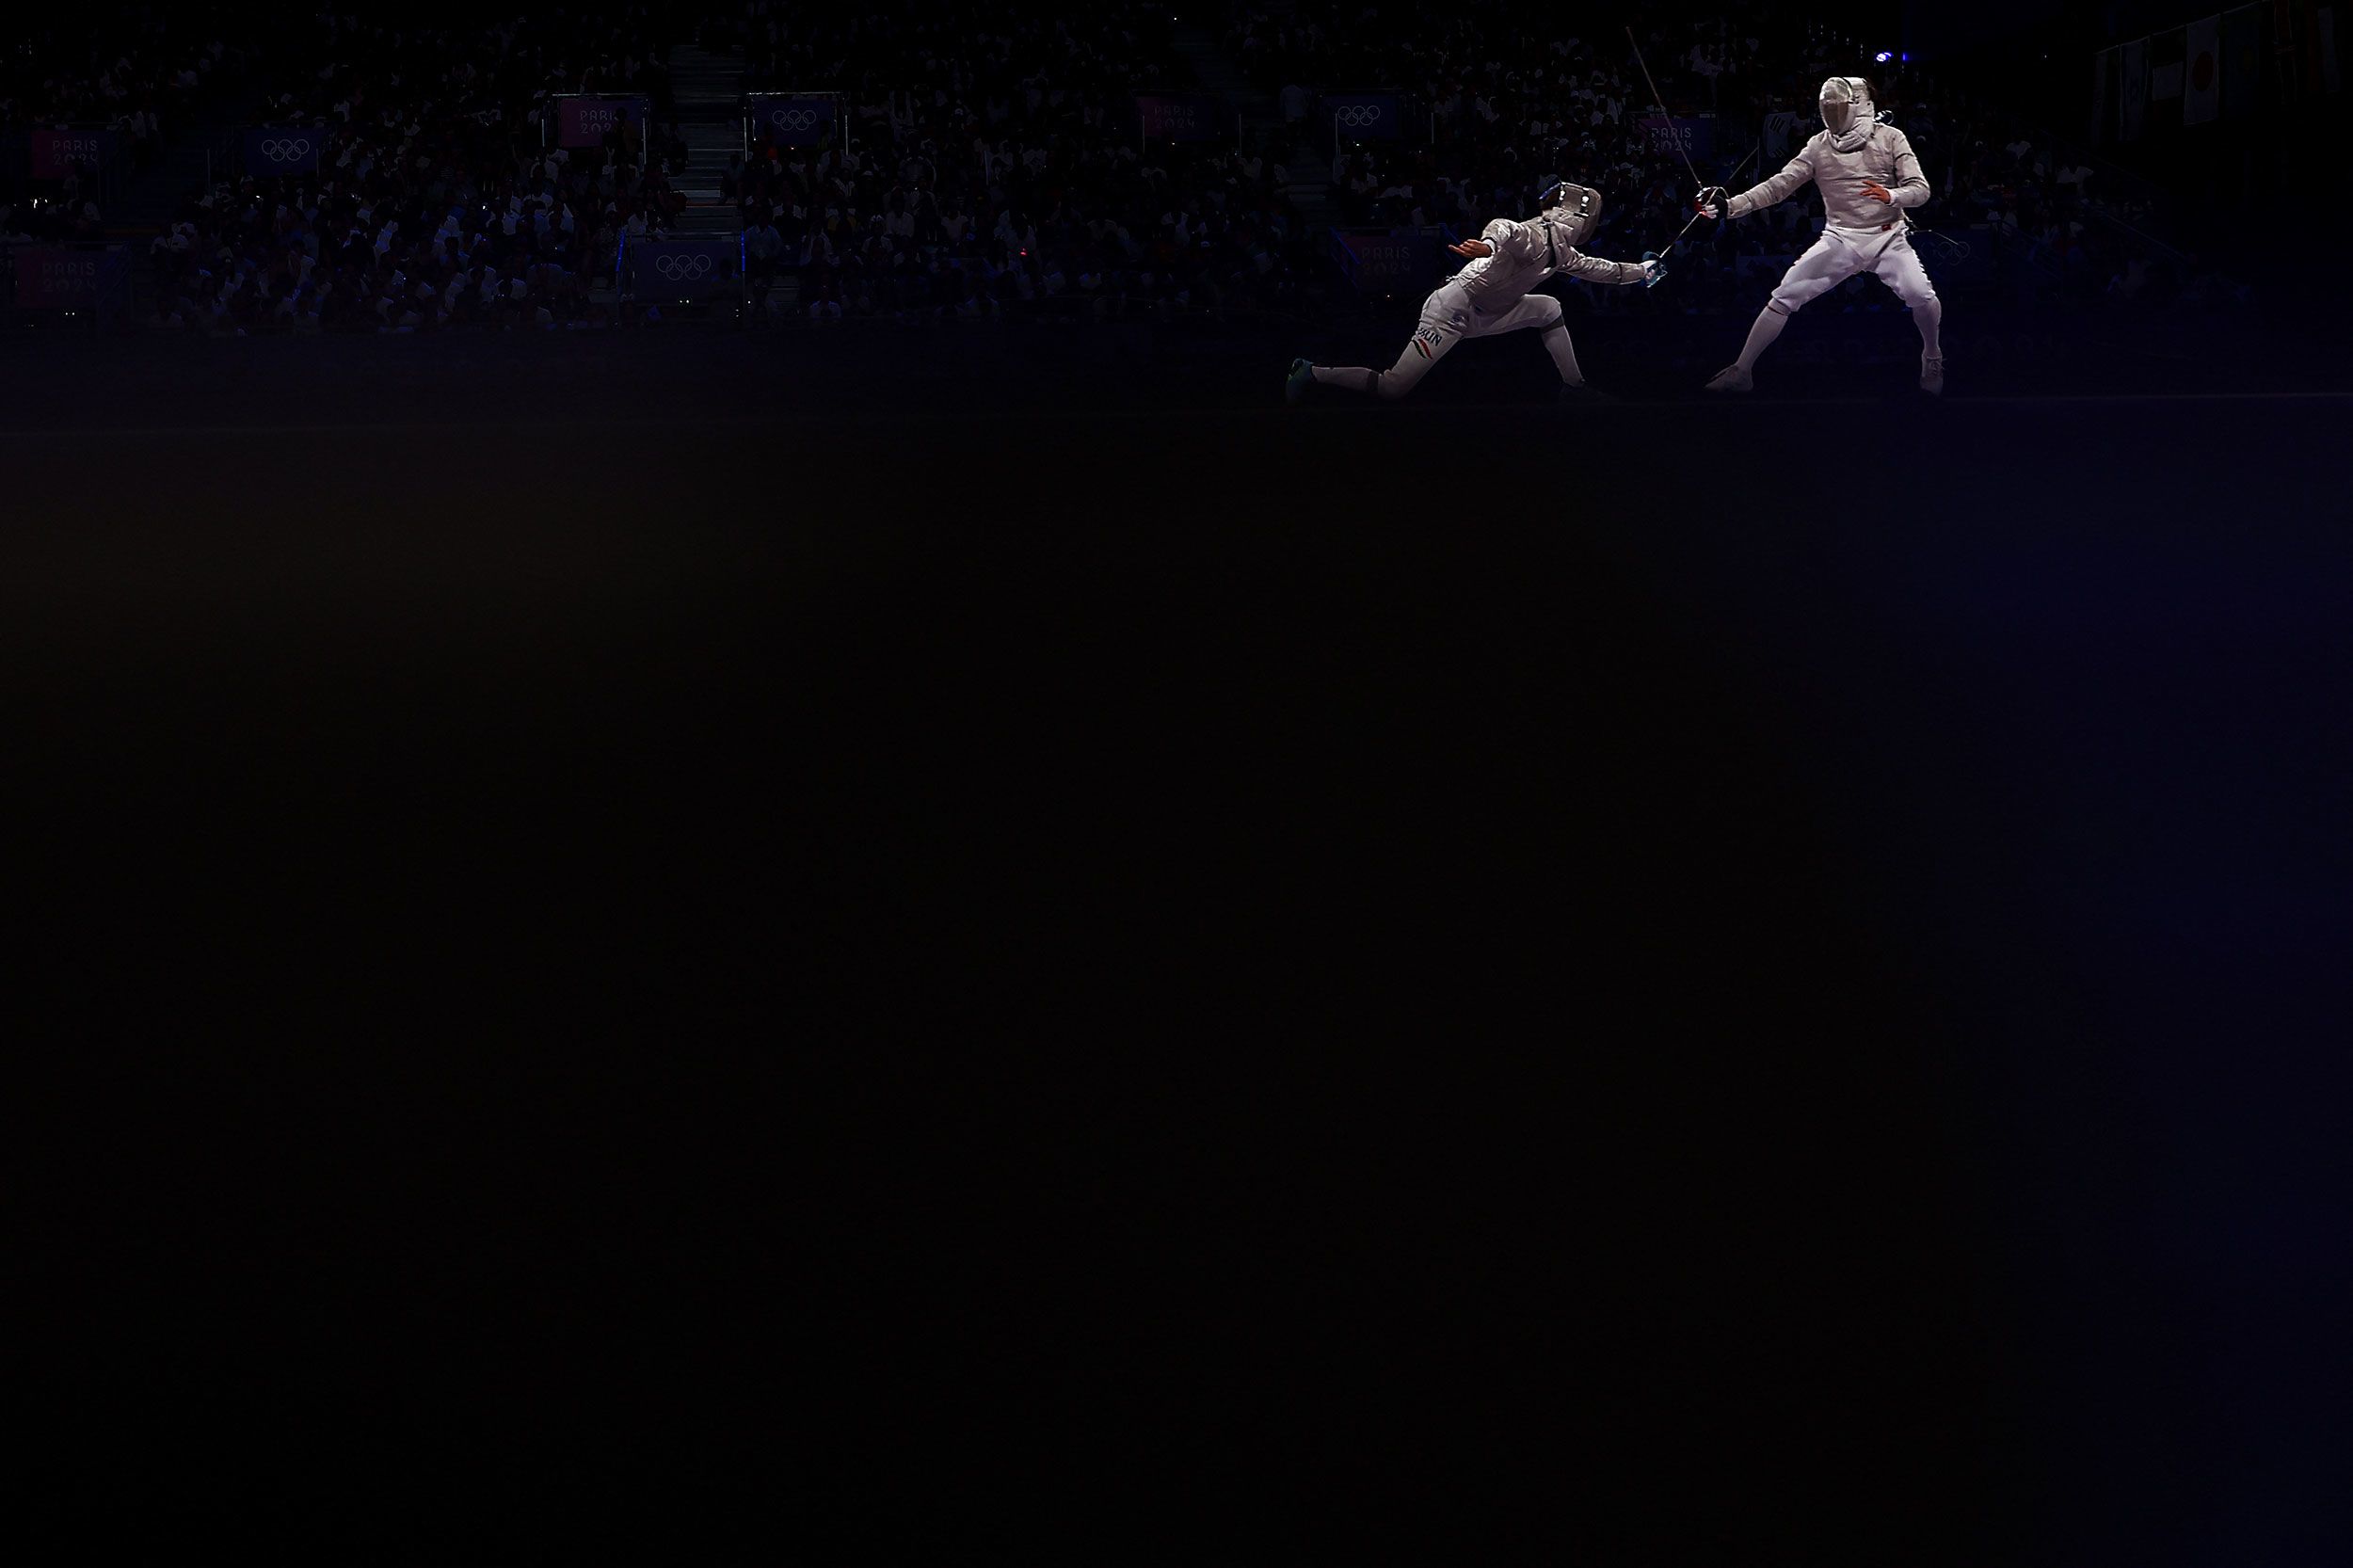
(1659, 99)
(1696, 215)
(1661, 103)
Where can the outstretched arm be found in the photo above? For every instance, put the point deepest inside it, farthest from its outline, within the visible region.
(1772, 192)
(1594, 270)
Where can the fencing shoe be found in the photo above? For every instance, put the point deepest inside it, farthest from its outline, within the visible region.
(1932, 376)
(1303, 375)
(1732, 378)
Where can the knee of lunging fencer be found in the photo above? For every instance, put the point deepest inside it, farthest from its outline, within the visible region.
(1551, 313)
(1780, 307)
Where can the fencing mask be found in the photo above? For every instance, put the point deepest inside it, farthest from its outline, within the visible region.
(1571, 215)
(1848, 112)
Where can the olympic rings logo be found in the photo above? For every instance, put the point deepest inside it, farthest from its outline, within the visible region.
(793, 119)
(1360, 114)
(279, 151)
(682, 269)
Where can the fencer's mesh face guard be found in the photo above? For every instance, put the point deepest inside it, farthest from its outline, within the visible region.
(1571, 215)
(1845, 103)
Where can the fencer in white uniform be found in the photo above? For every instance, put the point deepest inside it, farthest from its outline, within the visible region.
(1868, 178)
(1491, 295)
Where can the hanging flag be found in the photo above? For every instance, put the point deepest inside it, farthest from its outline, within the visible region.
(2165, 67)
(2201, 81)
(2242, 60)
(2134, 99)
(2103, 78)
(2285, 45)
(2329, 47)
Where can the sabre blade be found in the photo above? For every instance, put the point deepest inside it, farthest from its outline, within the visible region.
(1661, 103)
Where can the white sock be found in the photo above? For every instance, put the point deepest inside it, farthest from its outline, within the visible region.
(1929, 317)
(1354, 377)
(1564, 354)
(1768, 325)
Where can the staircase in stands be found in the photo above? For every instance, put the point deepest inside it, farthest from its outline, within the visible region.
(707, 85)
(1264, 130)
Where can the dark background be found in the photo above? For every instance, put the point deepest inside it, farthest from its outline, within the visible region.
(1087, 962)
(972, 942)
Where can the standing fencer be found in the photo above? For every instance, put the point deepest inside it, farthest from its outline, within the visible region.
(1868, 177)
(1491, 295)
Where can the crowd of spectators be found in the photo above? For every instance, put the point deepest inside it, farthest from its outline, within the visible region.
(994, 163)
(127, 69)
(439, 199)
(991, 161)
(71, 212)
(129, 73)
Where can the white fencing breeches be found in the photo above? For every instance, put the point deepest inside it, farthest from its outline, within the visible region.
(1836, 257)
(1447, 318)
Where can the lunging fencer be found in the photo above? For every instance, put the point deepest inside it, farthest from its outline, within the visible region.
(1491, 295)
(1869, 179)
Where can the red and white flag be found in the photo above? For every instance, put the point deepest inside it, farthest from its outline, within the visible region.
(2201, 82)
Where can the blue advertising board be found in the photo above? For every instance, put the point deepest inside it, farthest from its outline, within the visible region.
(290, 149)
(794, 122)
(682, 269)
(1365, 116)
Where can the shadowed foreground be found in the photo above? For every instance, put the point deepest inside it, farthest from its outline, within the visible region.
(1183, 985)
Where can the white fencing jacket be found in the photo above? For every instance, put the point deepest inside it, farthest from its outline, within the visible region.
(1885, 156)
(1520, 258)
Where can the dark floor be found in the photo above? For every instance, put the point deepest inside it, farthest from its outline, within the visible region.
(1675, 984)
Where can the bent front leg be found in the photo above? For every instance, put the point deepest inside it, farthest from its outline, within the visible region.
(1543, 312)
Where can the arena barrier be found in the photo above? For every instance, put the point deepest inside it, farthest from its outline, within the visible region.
(90, 281)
